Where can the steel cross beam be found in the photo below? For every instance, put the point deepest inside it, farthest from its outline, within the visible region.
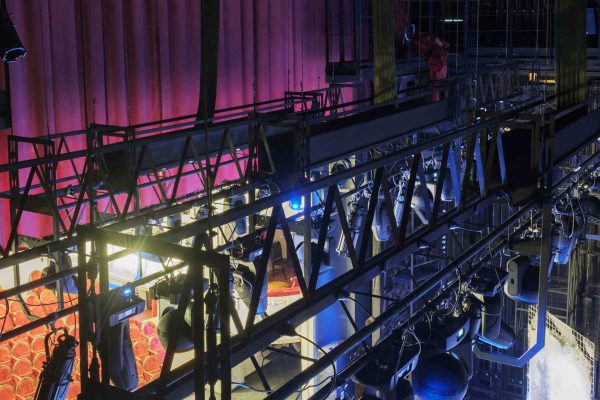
(266, 331)
(355, 117)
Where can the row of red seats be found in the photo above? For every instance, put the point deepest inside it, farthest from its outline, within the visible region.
(22, 358)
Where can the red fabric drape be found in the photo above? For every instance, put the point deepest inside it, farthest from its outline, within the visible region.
(130, 61)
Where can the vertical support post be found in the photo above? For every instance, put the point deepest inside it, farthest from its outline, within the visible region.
(197, 274)
(342, 42)
(384, 51)
(84, 317)
(100, 309)
(224, 315)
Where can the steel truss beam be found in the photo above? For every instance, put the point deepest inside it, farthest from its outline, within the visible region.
(473, 195)
(140, 150)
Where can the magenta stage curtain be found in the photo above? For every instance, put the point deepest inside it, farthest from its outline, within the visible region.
(129, 61)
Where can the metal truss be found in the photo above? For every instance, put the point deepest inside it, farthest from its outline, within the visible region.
(473, 157)
(473, 191)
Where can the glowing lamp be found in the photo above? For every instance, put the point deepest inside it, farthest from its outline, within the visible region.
(297, 203)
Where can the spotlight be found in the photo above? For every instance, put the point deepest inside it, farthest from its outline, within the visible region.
(297, 203)
(393, 359)
(382, 228)
(69, 284)
(523, 280)
(440, 376)
(325, 260)
(422, 202)
(244, 280)
(565, 235)
(356, 216)
(445, 333)
(166, 326)
(122, 303)
(240, 224)
(55, 377)
(11, 48)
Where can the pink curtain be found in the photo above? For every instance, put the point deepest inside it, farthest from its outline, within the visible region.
(129, 61)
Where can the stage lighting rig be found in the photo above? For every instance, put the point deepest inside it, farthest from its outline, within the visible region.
(523, 279)
(240, 224)
(55, 377)
(390, 362)
(244, 282)
(422, 202)
(170, 287)
(382, 228)
(119, 306)
(69, 284)
(440, 376)
(568, 229)
(357, 212)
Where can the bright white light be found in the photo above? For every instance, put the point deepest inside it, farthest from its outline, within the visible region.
(557, 374)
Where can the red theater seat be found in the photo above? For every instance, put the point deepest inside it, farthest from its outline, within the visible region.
(154, 344)
(74, 390)
(5, 354)
(38, 344)
(137, 322)
(134, 332)
(20, 349)
(70, 319)
(19, 318)
(35, 332)
(26, 388)
(7, 322)
(14, 305)
(22, 369)
(140, 349)
(35, 275)
(5, 374)
(151, 366)
(148, 328)
(34, 305)
(7, 393)
(38, 363)
(49, 300)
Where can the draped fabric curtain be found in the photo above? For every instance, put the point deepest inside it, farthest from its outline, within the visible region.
(123, 62)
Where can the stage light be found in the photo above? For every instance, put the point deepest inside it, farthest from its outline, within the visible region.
(166, 326)
(123, 370)
(325, 260)
(422, 202)
(392, 360)
(122, 303)
(297, 203)
(440, 376)
(240, 224)
(565, 235)
(522, 284)
(382, 228)
(446, 333)
(69, 284)
(244, 281)
(11, 48)
(356, 216)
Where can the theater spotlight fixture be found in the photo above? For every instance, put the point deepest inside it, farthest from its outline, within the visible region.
(11, 48)
(522, 284)
(440, 376)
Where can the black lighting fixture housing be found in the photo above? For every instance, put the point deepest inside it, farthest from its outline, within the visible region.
(11, 48)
